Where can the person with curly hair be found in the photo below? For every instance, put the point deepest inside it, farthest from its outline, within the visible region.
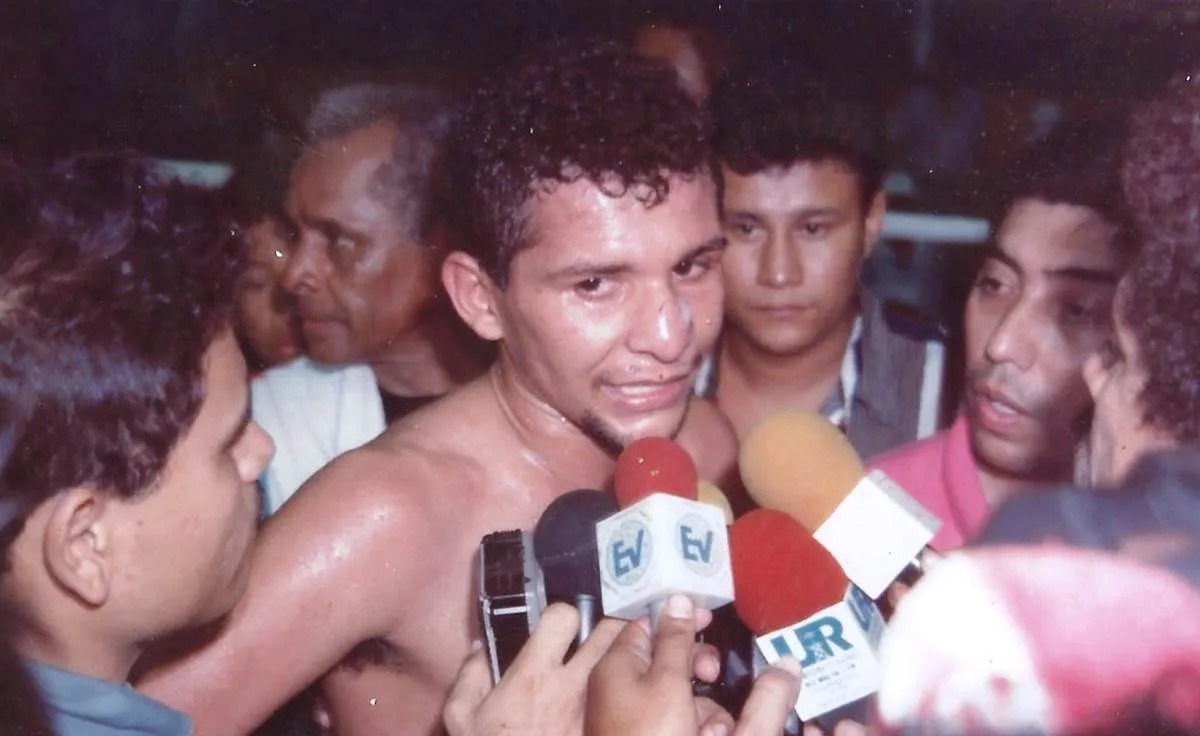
(128, 461)
(1145, 380)
(1040, 305)
(585, 244)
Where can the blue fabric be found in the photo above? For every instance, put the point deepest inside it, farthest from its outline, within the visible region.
(1160, 495)
(79, 705)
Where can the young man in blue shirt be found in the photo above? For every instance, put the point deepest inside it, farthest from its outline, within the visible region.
(127, 500)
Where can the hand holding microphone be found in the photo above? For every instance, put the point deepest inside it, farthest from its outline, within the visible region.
(540, 694)
(643, 685)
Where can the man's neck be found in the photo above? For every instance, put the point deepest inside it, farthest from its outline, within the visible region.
(429, 361)
(553, 443)
(999, 487)
(93, 655)
(765, 373)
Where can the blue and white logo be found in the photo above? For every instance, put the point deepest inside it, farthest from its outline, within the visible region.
(695, 537)
(628, 552)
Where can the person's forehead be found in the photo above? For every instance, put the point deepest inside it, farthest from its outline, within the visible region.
(583, 217)
(819, 183)
(344, 167)
(1044, 236)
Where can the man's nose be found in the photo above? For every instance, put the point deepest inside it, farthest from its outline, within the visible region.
(664, 325)
(306, 265)
(1014, 338)
(778, 263)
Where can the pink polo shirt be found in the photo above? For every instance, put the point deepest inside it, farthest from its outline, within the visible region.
(941, 474)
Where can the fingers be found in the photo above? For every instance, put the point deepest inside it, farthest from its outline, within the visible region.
(673, 643)
(472, 685)
(549, 642)
(849, 728)
(771, 699)
(706, 662)
(712, 719)
(628, 658)
(597, 645)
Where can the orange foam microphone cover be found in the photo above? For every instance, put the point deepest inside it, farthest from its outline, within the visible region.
(654, 465)
(799, 463)
(781, 575)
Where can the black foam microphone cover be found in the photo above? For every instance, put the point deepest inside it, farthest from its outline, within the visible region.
(564, 543)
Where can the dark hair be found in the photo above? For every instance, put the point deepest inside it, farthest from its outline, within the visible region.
(1161, 171)
(260, 178)
(113, 284)
(591, 110)
(778, 116)
(422, 114)
(1078, 164)
(1160, 303)
(1161, 300)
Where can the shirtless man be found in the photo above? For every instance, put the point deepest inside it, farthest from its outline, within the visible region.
(589, 252)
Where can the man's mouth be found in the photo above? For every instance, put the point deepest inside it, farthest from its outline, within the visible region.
(995, 409)
(650, 395)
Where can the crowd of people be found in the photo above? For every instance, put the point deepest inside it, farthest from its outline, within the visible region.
(250, 439)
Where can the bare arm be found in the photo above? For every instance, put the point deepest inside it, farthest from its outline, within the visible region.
(329, 571)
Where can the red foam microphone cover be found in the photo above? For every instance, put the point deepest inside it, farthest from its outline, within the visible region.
(781, 574)
(654, 465)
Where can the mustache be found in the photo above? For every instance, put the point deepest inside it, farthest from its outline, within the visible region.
(1080, 423)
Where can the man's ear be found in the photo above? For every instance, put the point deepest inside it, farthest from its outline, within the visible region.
(874, 221)
(473, 294)
(78, 544)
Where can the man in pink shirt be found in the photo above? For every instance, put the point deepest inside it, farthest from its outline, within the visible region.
(1039, 306)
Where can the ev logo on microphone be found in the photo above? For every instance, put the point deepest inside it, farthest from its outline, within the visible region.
(629, 552)
(695, 536)
(659, 545)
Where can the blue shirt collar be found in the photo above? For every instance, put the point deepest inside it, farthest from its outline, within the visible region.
(78, 704)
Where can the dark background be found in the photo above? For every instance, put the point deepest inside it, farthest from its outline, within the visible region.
(196, 78)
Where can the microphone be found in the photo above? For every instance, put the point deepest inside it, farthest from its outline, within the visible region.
(654, 465)
(708, 493)
(799, 463)
(662, 541)
(564, 542)
(791, 592)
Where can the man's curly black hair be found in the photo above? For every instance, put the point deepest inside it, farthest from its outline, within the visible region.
(113, 284)
(591, 111)
(1160, 302)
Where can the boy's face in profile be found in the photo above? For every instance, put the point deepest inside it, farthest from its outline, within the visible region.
(183, 553)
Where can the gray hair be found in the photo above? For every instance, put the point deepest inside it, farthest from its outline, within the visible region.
(422, 114)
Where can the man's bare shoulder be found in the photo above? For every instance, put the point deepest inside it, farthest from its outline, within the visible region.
(709, 437)
(428, 455)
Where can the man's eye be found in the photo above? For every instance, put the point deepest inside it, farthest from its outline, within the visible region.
(1084, 313)
(815, 229)
(988, 285)
(693, 267)
(743, 229)
(591, 285)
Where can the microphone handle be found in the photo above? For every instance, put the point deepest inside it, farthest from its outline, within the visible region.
(586, 604)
